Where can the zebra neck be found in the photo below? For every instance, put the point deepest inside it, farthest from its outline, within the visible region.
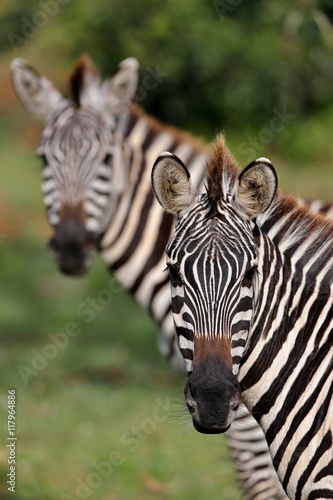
(290, 343)
(133, 245)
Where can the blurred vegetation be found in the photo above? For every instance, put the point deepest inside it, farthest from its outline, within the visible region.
(230, 65)
(227, 62)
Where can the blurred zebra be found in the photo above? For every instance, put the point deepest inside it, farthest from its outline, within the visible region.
(98, 149)
(251, 274)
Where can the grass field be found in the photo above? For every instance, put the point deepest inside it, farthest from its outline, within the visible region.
(99, 414)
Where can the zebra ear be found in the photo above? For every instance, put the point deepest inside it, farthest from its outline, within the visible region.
(256, 188)
(36, 93)
(123, 85)
(172, 184)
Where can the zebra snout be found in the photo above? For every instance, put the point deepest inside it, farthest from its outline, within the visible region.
(212, 402)
(72, 251)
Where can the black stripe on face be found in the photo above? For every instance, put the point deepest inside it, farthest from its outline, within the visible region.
(102, 178)
(187, 353)
(44, 160)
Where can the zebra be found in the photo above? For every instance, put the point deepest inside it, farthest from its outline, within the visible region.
(251, 273)
(97, 149)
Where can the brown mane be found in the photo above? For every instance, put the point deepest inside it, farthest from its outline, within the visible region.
(83, 67)
(222, 170)
(179, 136)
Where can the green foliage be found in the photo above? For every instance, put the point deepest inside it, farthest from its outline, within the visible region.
(228, 64)
(225, 63)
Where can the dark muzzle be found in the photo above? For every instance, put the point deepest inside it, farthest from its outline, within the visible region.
(212, 395)
(72, 246)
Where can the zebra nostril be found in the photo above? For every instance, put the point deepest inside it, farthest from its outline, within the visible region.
(190, 401)
(234, 405)
(53, 247)
(90, 243)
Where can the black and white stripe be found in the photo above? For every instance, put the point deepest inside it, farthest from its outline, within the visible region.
(77, 152)
(259, 284)
(101, 158)
(212, 279)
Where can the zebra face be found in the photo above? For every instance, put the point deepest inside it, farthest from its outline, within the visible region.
(82, 177)
(77, 153)
(213, 268)
(214, 264)
(209, 262)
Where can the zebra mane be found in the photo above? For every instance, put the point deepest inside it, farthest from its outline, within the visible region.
(83, 73)
(222, 172)
(292, 223)
(179, 136)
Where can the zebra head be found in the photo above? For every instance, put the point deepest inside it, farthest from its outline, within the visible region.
(82, 175)
(214, 265)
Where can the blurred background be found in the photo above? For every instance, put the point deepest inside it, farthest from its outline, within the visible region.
(103, 417)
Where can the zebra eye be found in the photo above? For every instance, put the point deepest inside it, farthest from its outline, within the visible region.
(44, 159)
(107, 159)
(174, 274)
(248, 277)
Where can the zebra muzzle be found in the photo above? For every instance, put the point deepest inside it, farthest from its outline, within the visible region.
(212, 397)
(72, 248)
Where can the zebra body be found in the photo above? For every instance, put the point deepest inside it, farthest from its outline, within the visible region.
(130, 246)
(98, 150)
(252, 296)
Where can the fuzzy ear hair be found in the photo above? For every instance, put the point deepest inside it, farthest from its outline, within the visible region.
(256, 188)
(123, 85)
(36, 93)
(172, 184)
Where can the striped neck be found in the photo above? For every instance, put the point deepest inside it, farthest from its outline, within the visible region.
(139, 230)
(290, 336)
